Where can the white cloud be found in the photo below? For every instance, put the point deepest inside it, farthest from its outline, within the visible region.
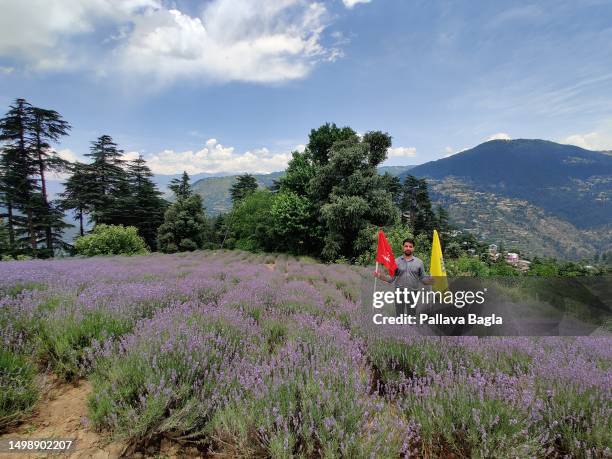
(499, 136)
(51, 24)
(351, 3)
(215, 158)
(401, 152)
(591, 141)
(68, 155)
(230, 40)
(130, 155)
(6, 70)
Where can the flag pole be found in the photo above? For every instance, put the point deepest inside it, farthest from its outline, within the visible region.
(375, 278)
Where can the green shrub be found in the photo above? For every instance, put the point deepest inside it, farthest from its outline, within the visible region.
(18, 392)
(111, 240)
(62, 342)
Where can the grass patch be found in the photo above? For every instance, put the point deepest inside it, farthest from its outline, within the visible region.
(18, 391)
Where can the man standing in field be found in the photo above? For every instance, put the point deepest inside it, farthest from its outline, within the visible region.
(409, 275)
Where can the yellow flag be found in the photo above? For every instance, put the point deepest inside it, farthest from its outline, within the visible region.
(436, 265)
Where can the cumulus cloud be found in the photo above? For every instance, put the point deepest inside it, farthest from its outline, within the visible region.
(68, 155)
(401, 152)
(47, 41)
(229, 40)
(499, 136)
(591, 141)
(215, 157)
(351, 3)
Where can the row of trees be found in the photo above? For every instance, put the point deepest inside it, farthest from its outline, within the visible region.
(331, 200)
(112, 191)
(108, 190)
(328, 204)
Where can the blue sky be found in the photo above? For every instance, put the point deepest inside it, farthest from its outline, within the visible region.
(236, 85)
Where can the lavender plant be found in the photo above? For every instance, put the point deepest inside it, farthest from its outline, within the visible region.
(257, 355)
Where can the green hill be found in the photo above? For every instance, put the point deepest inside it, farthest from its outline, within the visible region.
(215, 190)
(541, 197)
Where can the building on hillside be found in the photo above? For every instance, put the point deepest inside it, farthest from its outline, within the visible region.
(493, 253)
(512, 258)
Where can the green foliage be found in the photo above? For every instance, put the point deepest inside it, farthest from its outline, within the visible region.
(416, 209)
(244, 186)
(351, 195)
(251, 222)
(466, 266)
(185, 227)
(111, 240)
(145, 205)
(4, 239)
(292, 216)
(19, 187)
(62, 342)
(79, 193)
(109, 190)
(181, 187)
(298, 174)
(321, 140)
(18, 391)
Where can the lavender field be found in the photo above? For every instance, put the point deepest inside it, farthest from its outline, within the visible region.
(266, 356)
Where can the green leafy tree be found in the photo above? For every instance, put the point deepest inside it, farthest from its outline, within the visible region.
(250, 222)
(321, 140)
(337, 175)
(300, 171)
(245, 184)
(111, 240)
(185, 227)
(351, 195)
(379, 143)
(292, 215)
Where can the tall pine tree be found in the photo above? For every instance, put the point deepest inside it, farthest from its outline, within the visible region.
(245, 184)
(415, 205)
(47, 126)
(5, 247)
(109, 182)
(185, 227)
(180, 186)
(17, 178)
(79, 193)
(146, 205)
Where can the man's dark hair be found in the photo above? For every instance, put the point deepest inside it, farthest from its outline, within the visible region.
(408, 239)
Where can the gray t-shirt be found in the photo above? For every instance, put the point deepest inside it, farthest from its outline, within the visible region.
(409, 273)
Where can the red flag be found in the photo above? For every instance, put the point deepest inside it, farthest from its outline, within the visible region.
(384, 254)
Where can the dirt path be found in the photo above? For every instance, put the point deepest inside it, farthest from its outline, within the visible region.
(61, 414)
